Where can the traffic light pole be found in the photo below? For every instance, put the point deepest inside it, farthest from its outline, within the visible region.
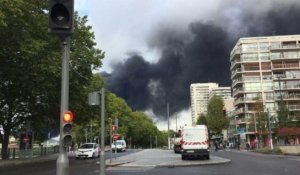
(62, 163)
(102, 155)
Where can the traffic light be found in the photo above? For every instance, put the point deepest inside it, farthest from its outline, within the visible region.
(61, 14)
(66, 128)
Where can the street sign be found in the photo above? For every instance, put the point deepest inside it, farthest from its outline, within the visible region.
(116, 136)
(94, 98)
(26, 139)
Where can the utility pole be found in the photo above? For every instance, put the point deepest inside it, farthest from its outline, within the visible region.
(62, 162)
(176, 122)
(110, 140)
(169, 145)
(270, 131)
(102, 155)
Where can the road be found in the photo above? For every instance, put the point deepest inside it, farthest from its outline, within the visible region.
(242, 163)
(77, 167)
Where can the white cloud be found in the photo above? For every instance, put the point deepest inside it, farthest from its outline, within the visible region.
(183, 118)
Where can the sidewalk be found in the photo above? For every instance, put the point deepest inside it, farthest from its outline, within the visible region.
(160, 158)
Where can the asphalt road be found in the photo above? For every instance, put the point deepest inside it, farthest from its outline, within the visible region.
(242, 163)
(77, 167)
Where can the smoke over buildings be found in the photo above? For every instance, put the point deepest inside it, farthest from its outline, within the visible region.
(198, 54)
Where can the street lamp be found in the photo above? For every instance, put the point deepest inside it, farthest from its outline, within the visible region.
(270, 131)
(110, 139)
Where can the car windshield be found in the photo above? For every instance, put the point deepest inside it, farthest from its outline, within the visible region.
(117, 143)
(86, 146)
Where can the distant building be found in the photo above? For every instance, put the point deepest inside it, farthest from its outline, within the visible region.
(199, 98)
(224, 92)
(268, 69)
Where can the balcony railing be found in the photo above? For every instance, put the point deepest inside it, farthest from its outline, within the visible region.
(292, 46)
(283, 66)
(294, 107)
(251, 68)
(289, 97)
(286, 87)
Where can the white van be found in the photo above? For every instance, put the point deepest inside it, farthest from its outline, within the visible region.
(121, 145)
(195, 142)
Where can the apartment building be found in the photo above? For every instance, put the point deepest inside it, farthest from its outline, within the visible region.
(265, 68)
(199, 98)
(224, 92)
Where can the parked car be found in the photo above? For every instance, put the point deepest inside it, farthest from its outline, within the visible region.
(88, 150)
(120, 144)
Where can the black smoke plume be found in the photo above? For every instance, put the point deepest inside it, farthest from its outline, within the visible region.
(197, 56)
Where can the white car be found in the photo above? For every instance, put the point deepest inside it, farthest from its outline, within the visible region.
(121, 146)
(88, 150)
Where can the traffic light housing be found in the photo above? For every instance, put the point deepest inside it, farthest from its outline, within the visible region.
(61, 14)
(66, 128)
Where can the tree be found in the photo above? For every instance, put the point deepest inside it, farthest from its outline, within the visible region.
(282, 115)
(261, 119)
(216, 120)
(202, 119)
(30, 69)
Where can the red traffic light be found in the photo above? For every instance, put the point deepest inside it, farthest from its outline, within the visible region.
(68, 116)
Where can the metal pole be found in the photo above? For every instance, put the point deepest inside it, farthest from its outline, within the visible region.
(62, 163)
(270, 131)
(102, 155)
(169, 146)
(255, 128)
(156, 141)
(110, 140)
(176, 123)
(115, 148)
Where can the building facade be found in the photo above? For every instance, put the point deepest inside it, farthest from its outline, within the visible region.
(199, 98)
(265, 69)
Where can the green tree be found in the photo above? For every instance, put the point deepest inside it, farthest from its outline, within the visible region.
(216, 120)
(283, 115)
(30, 69)
(202, 119)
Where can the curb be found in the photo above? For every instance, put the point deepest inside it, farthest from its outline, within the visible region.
(184, 164)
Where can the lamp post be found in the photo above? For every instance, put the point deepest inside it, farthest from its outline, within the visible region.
(110, 139)
(270, 131)
(169, 145)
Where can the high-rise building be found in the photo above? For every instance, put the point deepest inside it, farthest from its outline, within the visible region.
(199, 98)
(224, 92)
(264, 69)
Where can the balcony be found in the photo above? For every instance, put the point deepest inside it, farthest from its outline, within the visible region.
(238, 111)
(251, 68)
(287, 87)
(238, 90)
(237, 81)
(285, 77)
(235, 52)
(236, 71)
(234, 63)
(289, 97)
(294, 107)
(284, 47)
(286, 66)
(284, 57)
